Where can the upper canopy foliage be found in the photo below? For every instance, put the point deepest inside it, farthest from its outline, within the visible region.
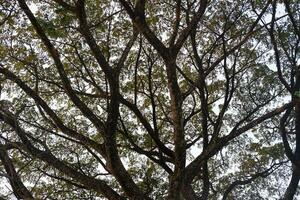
(149, 99)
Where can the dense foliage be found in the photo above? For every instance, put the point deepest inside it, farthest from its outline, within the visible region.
(178, 99)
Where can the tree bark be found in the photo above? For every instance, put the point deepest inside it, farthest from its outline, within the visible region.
(19, 189)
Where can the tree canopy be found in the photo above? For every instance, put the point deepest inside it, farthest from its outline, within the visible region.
(169, 99)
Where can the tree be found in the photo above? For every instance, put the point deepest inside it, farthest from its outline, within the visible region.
(149, 99)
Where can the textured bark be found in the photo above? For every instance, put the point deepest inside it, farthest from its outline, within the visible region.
(176, 179)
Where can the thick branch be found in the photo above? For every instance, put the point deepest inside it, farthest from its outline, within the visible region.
(19, 189)
(57, 121)
(49, 158)
(141, 25)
